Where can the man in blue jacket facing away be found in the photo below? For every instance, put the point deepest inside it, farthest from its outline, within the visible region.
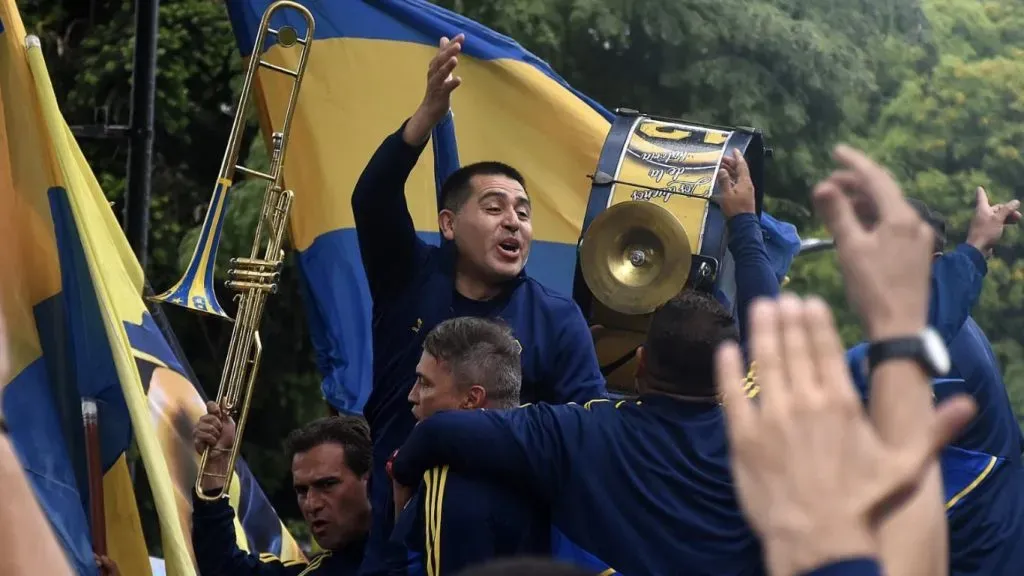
(982, 469)
(477, 271)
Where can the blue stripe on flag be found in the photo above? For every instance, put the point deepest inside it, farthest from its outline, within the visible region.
(90, 356)
(414, 21)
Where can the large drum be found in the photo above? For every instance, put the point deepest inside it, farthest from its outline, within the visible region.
(653, 227)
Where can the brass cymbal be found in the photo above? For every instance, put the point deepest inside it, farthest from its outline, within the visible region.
(635, 257)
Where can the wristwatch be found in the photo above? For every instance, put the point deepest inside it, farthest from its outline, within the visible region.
(926, 348)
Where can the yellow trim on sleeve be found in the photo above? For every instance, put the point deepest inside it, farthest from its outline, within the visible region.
(434, 481)
(316, 563)
(974, 484)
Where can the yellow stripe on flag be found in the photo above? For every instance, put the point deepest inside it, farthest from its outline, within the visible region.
(126, 543)
(110, 293)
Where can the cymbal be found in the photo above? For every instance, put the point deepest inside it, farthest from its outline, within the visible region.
(635, 257)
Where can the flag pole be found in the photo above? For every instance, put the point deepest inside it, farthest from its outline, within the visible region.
(140, 151)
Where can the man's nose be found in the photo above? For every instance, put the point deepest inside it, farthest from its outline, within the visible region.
(511, 221)
(313, 502)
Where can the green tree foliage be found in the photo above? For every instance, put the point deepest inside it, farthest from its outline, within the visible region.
(933, 88)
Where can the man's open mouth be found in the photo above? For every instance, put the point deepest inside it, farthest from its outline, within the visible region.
(510, 247)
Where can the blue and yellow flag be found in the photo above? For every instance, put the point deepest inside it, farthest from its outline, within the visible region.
(75, 325)
(366, 74)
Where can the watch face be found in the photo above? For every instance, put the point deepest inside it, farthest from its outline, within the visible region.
(935, 350)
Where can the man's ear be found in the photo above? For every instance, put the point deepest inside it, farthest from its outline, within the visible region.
(475, 397)
(446, 223)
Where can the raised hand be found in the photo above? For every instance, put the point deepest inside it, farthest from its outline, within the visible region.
(884, 248)
(735, 186)
(214, 429)
(441, 82)
(813, 476)
(989, 221)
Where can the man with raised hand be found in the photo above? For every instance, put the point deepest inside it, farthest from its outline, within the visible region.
(486, 228)
(814, 477)
(982, 471)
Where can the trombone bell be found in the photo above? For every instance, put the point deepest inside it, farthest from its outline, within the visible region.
(195, 288)
(635, 257)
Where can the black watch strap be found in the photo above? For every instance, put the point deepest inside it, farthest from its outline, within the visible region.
(908, 348)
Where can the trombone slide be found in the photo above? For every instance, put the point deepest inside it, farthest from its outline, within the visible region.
(251, 278)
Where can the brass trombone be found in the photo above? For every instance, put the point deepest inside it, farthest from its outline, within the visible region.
(255, 277)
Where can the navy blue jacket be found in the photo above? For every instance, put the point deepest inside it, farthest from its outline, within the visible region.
(412, 285)
(755, 277)
(986, 517)
(455, 521)
(642, 487)
(217, 552)
(982, 471)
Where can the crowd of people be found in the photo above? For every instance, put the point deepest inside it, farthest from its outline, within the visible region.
(490, 446)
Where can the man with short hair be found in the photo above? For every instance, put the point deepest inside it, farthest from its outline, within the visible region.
(467, 363)
(330, 464)
(486, 229)
(453, 521)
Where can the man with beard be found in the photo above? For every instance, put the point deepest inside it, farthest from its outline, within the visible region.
(486, 228)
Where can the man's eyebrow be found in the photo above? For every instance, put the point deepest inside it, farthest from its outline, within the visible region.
(491, 194)
(319, 480)
(518, 201)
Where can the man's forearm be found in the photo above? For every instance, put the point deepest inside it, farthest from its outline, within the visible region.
(417, 129)
(387, 235)
(755, 277)
(471, 442)
(956, 282)
(913, 540)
